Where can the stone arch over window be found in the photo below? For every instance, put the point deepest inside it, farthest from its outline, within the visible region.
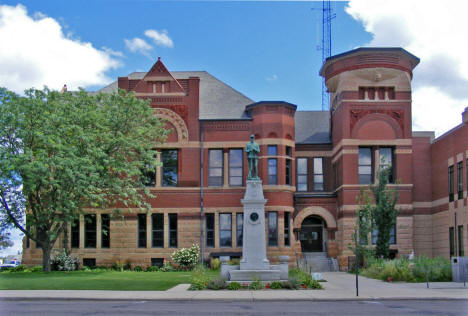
(371, 125)
(314, 210)
(176, 121)
(272, 135)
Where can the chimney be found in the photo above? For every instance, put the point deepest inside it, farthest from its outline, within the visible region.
(465, 116)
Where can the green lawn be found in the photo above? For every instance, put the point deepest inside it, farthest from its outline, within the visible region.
(91, 280)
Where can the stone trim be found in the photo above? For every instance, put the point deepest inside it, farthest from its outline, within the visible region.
(315, 210)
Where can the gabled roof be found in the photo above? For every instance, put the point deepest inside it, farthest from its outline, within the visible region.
(217, 99)
(312, 127)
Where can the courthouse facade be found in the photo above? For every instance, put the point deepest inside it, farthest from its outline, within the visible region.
(312, 163)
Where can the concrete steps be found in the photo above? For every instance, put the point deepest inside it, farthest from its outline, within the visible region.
(317, 262)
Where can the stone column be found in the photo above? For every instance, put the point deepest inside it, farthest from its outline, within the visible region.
(254, 246)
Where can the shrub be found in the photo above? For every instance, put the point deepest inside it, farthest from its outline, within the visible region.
(19, 268)
(127, 266)
(199, 279)
(64, 262)
(35, 269)
(86, 268)
(215, 264)
(275, 285)
(256, 285)
(292, 284)
(152, 269)
(118, 265)
(234, 286)
(438, 269)
(167, 267)
(217, 284)
(234, 262)
(138, 269)
(187, 258)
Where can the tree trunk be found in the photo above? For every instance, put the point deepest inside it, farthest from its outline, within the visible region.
(46, 258)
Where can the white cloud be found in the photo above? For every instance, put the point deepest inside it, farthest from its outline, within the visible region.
(35, 52)
(160, 38)
(138, 45)
(435, 32)
(273, 77)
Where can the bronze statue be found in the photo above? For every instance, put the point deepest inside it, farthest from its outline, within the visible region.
(252, 149)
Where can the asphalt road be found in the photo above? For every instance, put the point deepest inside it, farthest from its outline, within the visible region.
(226, 308)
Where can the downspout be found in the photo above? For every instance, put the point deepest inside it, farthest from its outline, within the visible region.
(202, 248)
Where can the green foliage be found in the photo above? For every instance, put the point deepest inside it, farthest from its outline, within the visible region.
(234, 262)
(64, 152)
(376, 212)
(199, 279)
(138, 269)
(234, 286)
(85, 268)
(256, 285)
(217, 284)
(304, 279)
(276, 285)
(127, 266)
(19, 268)
(64, 262)
(152, 269)
(293, 283)
(438, 269)
(186, 258)
(215, 264)
(34, 269)
(167, 267)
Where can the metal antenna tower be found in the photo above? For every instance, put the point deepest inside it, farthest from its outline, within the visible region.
(327, 17)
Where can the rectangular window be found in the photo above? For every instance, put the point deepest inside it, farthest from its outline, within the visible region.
(210, 229)
(157, 230)
(365, 165)
(215, 166)
(148, 176)
(105, 231)
(461, 250)
(169, 168)
(302, 174)
(375, 235)
(272, 150)
(141, 230)
(157, 262)
(318, 174)
(239, 229)
(90, 231)
(386, 161)
(235, 167)
(450, 183)
(460, 179)
(225, 230)
(287, 230)
(288, 168)
(452, 241)
(75, 234)
(273, 229)
(272, 171)
(173, 230)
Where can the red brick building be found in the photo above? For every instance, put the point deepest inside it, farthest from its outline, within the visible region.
(312, 163)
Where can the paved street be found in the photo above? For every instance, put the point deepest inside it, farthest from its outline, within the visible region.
(227, 308)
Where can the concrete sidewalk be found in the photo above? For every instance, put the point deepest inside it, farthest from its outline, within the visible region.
(340, 286)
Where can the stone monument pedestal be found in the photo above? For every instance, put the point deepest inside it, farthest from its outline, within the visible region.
(254, 264)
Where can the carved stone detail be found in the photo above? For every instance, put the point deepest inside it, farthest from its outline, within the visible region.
(176, 120)
(227, 126)
(356, 115)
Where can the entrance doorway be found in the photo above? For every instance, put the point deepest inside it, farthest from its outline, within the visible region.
(312, 234)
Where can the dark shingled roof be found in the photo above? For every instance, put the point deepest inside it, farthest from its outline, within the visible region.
(217, 99)
(312, 127)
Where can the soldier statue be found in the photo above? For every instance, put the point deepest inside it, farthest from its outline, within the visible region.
(252, 149)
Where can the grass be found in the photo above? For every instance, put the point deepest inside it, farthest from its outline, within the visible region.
(93, 280)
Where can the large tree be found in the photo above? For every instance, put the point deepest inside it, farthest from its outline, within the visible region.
(61, 153)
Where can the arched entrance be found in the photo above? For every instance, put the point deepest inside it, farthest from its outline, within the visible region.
(313, 234)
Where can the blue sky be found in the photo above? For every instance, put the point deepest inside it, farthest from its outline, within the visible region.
(265, 49)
